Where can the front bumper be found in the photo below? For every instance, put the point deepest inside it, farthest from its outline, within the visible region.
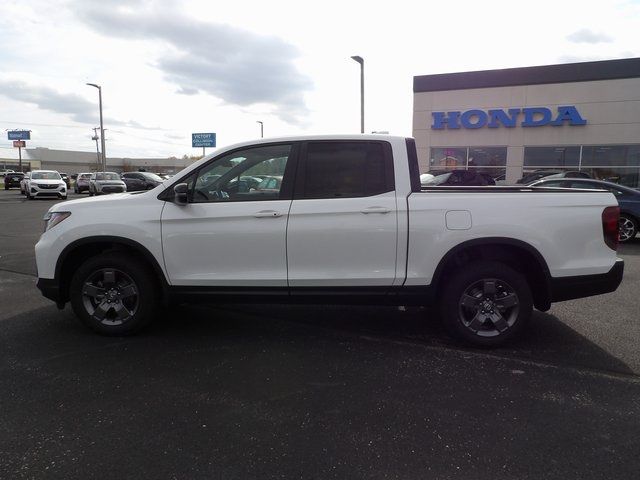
(568, 288)
(111, 189)
(50, 289)
(50, 191)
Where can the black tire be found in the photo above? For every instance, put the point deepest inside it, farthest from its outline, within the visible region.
(114, 294)
(627, 228)
(486, 304)
(6, 187)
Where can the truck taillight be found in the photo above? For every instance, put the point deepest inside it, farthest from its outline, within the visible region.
(610, 217)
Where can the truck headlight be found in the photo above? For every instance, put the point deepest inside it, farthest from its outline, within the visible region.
(51, 219)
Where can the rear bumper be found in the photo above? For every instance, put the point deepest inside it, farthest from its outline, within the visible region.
(568, 288)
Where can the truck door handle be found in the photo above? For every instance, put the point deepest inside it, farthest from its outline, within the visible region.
(375, 210)
(267, 214)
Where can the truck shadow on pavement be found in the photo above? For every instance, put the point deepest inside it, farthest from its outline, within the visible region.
(547, 339)
(50, 333)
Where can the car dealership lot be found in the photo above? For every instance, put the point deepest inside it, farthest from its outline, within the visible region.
(234, 391)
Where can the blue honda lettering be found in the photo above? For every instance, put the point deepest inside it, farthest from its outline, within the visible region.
(499, 116)
(442, 121)
(569, 114)
(468, 116)
(530, 119)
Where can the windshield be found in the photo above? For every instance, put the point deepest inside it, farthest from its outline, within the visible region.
(151, 176)
(107, 176)
(45, 176)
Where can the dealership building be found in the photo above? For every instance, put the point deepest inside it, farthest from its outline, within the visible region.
(579, 116)
(70, 161)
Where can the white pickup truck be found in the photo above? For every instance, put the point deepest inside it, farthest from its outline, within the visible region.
(329, 219)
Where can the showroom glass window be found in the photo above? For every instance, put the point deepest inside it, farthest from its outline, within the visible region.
(448, 158)
(614, 163)
(488, 160)
(561, 157)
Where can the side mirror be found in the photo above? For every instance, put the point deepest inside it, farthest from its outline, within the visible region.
(181, 190)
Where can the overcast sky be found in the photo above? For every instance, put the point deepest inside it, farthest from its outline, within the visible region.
(170, 68)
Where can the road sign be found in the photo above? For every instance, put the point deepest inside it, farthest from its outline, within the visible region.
(19, 143)
(203, 140)
(19, 135)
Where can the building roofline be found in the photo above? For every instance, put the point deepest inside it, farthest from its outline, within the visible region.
(538, 75)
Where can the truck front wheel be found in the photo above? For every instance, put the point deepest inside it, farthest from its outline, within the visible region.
(114, 294)
(486, 304)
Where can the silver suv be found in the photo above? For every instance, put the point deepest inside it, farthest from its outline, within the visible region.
(105, 182)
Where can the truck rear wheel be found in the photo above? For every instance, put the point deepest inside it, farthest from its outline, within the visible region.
(486, 304)
(114, 294)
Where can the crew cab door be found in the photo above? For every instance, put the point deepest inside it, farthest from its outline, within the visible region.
(343, 220)
(232, 233)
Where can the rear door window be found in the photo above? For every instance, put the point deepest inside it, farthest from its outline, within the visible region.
(344, 169)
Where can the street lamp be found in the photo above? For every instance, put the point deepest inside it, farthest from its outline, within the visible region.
(104, 153)
(360, 60)
(261, 128)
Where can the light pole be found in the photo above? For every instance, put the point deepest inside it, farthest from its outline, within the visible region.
(104, 153)
(261, 128)
(360, 60)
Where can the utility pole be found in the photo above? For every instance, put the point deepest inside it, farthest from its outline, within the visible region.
(360, 60)
(104, 152)
(261, 128)
(95, 137)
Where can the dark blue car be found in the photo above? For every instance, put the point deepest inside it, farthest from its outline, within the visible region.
(628, 199)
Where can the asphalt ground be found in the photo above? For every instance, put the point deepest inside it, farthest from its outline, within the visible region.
(259, 391)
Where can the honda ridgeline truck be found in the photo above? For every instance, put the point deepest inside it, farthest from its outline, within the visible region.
(329, 219)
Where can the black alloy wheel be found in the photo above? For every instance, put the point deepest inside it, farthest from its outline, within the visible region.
(486, 303)
(114, 294)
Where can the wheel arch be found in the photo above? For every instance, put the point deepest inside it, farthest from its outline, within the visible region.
(519, 255)
(80, 250)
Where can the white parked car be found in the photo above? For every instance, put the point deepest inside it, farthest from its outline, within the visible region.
(23, 183)
(43, 183)
(105, 182)
(349, 221)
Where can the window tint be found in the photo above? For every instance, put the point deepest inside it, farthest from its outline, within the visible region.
(237, 176)
(347, 169)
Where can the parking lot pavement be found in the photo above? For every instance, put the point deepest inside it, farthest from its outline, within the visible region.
(238, 391)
